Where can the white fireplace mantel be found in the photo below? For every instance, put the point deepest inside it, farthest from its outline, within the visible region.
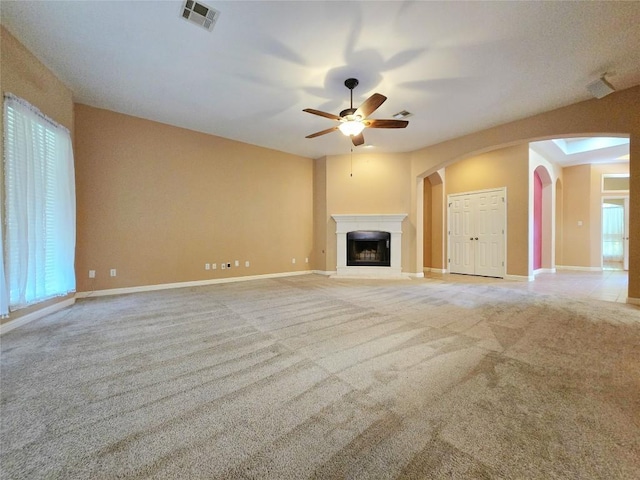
(391, 223)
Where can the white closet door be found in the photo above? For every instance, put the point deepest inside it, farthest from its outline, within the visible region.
(477, 233)
(462, 259)
(489, 234)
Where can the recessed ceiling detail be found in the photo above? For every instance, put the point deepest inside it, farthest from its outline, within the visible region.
(571, 146)
(568, 152)
(200, 14)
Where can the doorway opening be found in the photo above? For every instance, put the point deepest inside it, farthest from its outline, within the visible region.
(615, 233)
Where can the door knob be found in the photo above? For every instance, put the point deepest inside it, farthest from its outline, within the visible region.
(471, 238)
(476, 238)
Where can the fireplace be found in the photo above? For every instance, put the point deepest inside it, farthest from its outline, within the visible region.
(369, 245)
(369, 249)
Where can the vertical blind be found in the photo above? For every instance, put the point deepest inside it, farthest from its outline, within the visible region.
(39, 235)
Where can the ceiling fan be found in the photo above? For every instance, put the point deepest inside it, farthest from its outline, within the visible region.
(353, 121)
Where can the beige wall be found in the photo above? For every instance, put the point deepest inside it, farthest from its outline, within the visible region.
(438, 231)
(614, 114)
(372, 183)
(157, 202)
(506, 167)
(433, 221)
(576, 191)
(559, 222)
(26, 77)
(582, 202)
(320, 214)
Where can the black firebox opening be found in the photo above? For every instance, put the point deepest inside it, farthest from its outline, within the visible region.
(368, 248)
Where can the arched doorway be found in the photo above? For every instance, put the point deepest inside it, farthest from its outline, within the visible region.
(543, 238)
(433, 223)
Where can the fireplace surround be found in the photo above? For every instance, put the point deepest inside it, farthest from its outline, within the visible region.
(374, 232)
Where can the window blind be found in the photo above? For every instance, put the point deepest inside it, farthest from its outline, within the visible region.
(39, 236)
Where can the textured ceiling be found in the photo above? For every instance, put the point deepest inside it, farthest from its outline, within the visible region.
(458, 67)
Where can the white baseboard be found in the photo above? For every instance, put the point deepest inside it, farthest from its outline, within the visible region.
(633, 301)
(30, 317)
(434, 270)
(416, 275)
(197, 283)
(579, 269)
(544, 270)
(520, 278)
(327, 273)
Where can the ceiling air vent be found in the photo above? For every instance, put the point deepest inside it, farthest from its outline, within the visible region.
(402, 114)
(200, 14)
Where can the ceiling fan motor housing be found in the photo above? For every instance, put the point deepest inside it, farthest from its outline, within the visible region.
(346, 112)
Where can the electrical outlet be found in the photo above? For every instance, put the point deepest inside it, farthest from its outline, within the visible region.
(112, 272)
(237, 263)
(92, 274)
(306, 260)
(207, 266)
(223, 266)
(214, 266)
(246, 264)
(228, 265)
(293, 260)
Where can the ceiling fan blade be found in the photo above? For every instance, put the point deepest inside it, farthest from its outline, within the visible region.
(323, 132)
(386, 123)
(357, 139)
(370, 105)
(322, 114)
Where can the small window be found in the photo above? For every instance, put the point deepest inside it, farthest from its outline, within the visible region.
(615, 182)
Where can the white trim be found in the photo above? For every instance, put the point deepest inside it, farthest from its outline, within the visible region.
(633, 301)
(416, 275)
(580, 269)
(30, 317)
(613, 175)
(402, 276)
(544, 270)
(324, 272)
(197, 283)
(520, 278)
(434, 270)
(625, 242)
(368, 218)
(484, 190)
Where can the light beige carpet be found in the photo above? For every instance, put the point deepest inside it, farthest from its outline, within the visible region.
(310, 377)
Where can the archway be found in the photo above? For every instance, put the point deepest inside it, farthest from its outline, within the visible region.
(614, 115)
(544, 222)
(433, 223)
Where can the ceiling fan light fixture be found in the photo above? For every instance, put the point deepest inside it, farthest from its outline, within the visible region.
(351, 128)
